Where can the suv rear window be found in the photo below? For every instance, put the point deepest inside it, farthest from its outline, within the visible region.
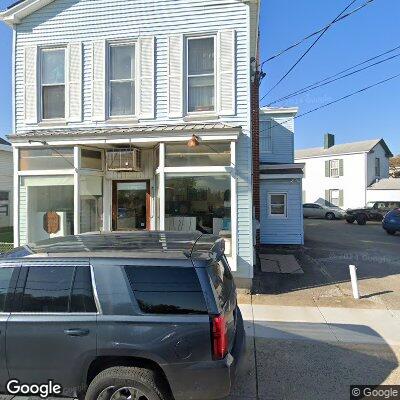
(222, 280)
(166, 290)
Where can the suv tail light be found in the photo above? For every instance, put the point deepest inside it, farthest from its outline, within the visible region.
(220, 339)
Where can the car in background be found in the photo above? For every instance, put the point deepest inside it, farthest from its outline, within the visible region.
(314, 210)
(373, 211)
(391, 222)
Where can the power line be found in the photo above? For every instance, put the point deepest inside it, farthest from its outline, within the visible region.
(314, 33)
(309, 48)
(334, 101)
(326, 81)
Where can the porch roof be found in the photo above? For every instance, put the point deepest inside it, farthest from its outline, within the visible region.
(139, 130)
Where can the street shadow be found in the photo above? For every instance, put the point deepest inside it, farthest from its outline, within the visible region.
(296, 361)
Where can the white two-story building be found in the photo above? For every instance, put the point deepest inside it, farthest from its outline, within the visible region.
(134, 115)
(340, 174)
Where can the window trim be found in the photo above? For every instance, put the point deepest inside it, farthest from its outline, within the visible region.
(186, 74)
(41, 85)
(267, 137)
(278, 216)
(135, 81)
(377, 167)
(331, 198)
(332, 168)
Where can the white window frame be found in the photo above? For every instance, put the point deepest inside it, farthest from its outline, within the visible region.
(333, 168)
(41, 84)
(266, 135)
(187, 76)
(133, 43)
(285, 203)
(377, 167)
(331, 191)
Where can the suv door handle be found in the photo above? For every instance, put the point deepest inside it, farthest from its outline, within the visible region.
(77, 332)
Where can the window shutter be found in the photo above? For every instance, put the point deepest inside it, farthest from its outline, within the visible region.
(31, 92)
(341, 198)
(226, 72)
(327, 169)
(99, 81)
(175, 76)
(146, 78)
(327, 197)
(74, 109)
(341, 167)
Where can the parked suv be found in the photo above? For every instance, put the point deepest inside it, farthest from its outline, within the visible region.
(127, 315)
(374, 211)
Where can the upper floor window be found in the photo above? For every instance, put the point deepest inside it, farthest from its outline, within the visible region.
(201, 74)
(334, 168)
(122, 80)
(377, 167)
(53, 83)
(266, 136)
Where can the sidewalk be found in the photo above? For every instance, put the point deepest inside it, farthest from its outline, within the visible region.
(317, 352)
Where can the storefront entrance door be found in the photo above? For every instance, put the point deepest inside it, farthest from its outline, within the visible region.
(131, 205)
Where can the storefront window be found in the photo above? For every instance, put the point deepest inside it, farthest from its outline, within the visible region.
(91, 203)
(46, 159)
(203, 155)
(201, 202)
(91, 159)
(46, 207)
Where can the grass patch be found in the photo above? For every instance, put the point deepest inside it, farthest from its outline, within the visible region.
(6, 235)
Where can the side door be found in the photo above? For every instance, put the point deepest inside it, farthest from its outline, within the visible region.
(8, 279)
(51, 333)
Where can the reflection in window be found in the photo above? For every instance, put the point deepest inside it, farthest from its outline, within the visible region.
(278, 205)
(5, 279)
(45, 159)
(198, 203)
(91, 159)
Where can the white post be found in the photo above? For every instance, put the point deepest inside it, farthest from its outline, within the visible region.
(161, 183)
(354, 283)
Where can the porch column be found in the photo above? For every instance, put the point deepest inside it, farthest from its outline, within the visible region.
(162, 186)
(16, 197)
(76, 192)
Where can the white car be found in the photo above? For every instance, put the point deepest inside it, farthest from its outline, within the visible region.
(313, 210)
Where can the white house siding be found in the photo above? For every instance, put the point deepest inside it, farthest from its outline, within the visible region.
(383, 195)
(353, 181)
(282, 230)
(6, 184)
(282, 128)
(378, 152)
(65, 21)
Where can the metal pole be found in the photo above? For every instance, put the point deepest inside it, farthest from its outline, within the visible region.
(354, 283)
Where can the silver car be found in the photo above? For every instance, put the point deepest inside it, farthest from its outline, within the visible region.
(313, 210)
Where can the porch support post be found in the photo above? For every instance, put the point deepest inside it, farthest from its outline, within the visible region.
(16, 197)
(162, 186)
(234, 232)
(76, 192)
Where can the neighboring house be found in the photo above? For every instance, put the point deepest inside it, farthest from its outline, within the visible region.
(281, 211)
(133, 116)
(340, 174)
(387, 189)
(6, 184)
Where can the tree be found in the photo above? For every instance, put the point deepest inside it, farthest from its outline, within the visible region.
(394, 163)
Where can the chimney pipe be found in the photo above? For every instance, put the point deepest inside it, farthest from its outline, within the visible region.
(329, 140)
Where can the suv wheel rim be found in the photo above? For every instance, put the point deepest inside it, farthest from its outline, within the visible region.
(124, 393)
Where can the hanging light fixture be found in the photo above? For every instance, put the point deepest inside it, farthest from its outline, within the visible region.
(193, 142)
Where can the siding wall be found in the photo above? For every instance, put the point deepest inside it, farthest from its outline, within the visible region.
(282, 230)
(378, 152)
(6, 184)
(64, 21)
(282, 140)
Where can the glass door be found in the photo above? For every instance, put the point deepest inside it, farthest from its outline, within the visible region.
(131, 205)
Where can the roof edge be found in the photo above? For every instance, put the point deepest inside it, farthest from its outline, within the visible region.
(16, 13)
(279, 110)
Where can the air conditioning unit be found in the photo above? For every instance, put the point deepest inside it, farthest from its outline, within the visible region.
(127, 160)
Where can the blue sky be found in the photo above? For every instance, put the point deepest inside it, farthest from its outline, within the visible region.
(373, 30)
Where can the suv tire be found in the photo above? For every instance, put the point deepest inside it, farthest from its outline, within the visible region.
(350, 220)
(144, 380)
(390, 232)
(361, 219)
(330, 216)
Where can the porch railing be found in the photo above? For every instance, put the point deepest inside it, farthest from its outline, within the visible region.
(4, 247)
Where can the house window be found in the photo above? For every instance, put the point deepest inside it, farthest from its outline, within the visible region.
(201, 74)
(377, 167)
(334, 197)
(4, 196)
(53, 83)
(278, 205)
(334, 168)
(4, 203)
(266, 137)
(122, 80)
